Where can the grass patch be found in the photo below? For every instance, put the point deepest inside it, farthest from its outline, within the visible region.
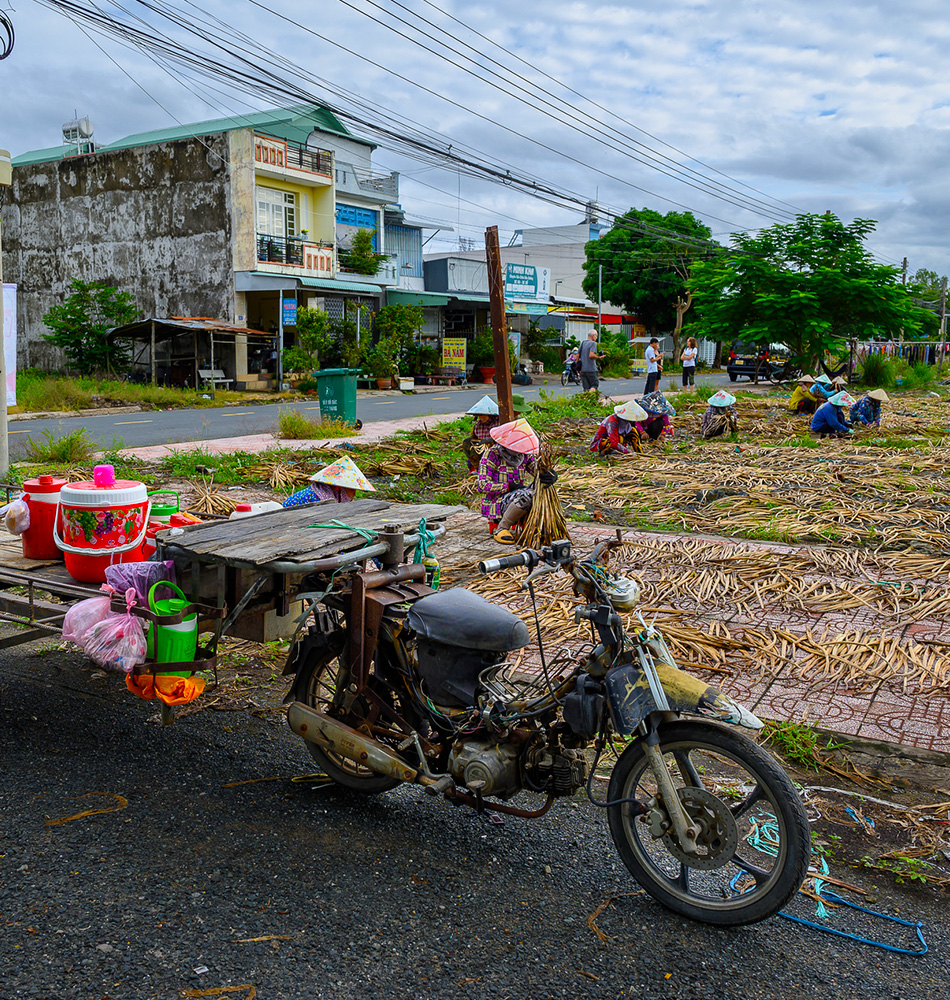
(800, 743)
(70, 449)
(228, 469)
(299, 427)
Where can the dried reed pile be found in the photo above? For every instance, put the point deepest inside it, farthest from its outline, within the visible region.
(545, 522)
(280, 476)
(208, 499)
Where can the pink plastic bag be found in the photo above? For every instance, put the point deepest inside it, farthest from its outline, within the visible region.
(117, 642)
(82, 616)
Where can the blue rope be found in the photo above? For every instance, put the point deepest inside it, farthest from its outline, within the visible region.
(760, 841)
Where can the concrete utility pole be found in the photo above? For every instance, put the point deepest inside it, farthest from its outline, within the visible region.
(943, 321)
(499, 327)
(6, 179)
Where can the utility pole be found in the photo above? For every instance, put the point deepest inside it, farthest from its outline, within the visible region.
(943, 321)
(600, 285)
(499, 327)
(6, 179)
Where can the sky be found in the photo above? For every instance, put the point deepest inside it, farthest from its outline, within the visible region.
(777, 107)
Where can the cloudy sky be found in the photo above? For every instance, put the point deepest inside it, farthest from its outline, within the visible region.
(742, 112)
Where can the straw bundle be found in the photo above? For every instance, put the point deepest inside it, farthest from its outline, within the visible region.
(279, 475)
(210, 500)
(545, 522)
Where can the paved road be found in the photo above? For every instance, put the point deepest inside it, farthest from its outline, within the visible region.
(132, 430)
(304, 891)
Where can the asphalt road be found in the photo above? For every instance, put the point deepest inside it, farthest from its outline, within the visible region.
(131, 430)
(307, 891)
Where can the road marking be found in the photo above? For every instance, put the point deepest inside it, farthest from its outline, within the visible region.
(19, 432)
(120, 422)
(383, 402)
(240, 413)
(311, 407)
(440, 397)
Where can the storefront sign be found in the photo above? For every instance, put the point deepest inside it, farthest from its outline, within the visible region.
(453, 352)
(289, 312)
(525, 281)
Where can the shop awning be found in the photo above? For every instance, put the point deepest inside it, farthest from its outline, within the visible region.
(340, 286)
(410, 297)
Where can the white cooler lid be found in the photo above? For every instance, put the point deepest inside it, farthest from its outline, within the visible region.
(87, 494)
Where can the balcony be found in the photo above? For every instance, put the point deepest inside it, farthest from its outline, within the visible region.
(279, 158)
(359, 180)
(294, 255)
(386, 273)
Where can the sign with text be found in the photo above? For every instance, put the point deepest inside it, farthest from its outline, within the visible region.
(525, 281)
(453, 352)
(9, 340)
(290, 312)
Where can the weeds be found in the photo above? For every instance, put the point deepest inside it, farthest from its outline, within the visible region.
(799, 742)
(903, 868)
(297, 426)
(72, 448)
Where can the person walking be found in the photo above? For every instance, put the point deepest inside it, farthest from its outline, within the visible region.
(688, 357)
(590, 379)
(654, 357)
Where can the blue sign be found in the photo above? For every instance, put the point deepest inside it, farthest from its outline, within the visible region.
(290, 312)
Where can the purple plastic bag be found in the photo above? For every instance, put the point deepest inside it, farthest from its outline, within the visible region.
(141, 576)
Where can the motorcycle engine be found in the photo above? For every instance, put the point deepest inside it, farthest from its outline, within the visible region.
(559, 771)
(494, 763)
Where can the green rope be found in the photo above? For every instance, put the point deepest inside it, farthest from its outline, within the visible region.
(366, 533)
(426, 538)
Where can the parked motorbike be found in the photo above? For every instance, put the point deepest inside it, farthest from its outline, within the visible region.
(570, 375)
(784, 371)
(396, 683)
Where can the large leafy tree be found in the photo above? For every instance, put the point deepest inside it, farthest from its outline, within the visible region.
(81, 323)
(811, 284)
(646, 259)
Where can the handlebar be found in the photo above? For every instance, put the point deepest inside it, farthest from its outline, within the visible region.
(527, 558)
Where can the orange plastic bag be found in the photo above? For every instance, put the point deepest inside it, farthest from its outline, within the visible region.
(166, 687)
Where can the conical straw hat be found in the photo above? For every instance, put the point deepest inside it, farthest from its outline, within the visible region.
(806, 380)
(486, 406)
(842, 399)
(880, 395)
(839, 381)
(343, 472)
(722, 398)
(518, 435)
(824, 379)
(631, 410)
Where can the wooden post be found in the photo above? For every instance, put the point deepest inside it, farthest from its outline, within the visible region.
(499, 328)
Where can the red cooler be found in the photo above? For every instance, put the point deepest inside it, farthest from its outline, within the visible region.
(41, 496)
(101, 525)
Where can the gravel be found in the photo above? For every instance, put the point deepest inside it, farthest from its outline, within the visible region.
(396, 896)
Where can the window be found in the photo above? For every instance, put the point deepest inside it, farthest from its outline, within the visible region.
(276, 212)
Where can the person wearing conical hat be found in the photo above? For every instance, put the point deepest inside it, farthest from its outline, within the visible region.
(720, 416)
(485, 412)
(829, 419)
(803, 399)
(867, 410)
(618, 432)
(822, 389)
(338, 481)
(659, 410)
(502, 477)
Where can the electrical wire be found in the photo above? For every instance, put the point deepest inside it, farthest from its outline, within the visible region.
(6, 25)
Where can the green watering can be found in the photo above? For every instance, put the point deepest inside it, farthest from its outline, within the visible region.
(172, 643)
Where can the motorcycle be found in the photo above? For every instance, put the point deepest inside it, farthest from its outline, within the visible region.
(783, 371)
(396, 683)
(570, 375)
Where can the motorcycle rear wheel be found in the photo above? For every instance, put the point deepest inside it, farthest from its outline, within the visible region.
(321, 684)
(755, 842)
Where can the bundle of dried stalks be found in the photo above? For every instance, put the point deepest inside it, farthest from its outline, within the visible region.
(280, 476)
(209, 499)
(545, 522)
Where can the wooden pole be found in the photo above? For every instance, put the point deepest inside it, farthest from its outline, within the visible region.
(499, 328)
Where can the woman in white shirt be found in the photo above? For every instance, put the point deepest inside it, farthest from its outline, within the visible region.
(688, 357)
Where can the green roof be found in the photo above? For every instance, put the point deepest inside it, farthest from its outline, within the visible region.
(293, 124)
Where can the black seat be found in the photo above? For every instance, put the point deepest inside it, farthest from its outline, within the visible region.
(458, 617)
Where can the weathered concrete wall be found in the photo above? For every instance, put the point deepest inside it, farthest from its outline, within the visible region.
(154, 221)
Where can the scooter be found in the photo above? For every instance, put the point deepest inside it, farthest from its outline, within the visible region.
(570, 375)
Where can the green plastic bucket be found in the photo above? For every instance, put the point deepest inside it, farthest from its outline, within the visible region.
(162, 505)
(172, 643)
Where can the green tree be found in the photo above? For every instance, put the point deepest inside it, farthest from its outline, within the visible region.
(928, 289)
(81, 323)
(359, 256)
(647, 259)
(314, 341)
(811, 284)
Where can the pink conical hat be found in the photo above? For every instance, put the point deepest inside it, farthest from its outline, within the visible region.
(517, 435)
(344, 472)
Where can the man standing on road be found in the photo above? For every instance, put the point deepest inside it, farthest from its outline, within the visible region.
(654, 358)
(589, 358)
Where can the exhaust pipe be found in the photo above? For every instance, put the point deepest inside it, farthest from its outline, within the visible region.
(347, 742)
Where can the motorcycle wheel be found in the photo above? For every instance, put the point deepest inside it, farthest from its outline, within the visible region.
(563, 379)
(319, 682)
(754, 840)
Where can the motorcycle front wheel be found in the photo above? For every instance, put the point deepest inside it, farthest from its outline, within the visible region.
(754, 840)
(563, 379)
(323, 679)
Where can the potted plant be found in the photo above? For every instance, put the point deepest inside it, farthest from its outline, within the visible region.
(481, 353)
(380, 359)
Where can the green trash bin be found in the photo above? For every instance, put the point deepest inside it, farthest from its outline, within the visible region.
(337, 392)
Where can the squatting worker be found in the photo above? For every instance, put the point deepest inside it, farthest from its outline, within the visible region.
(654, 357)
(618, 431)
(720, 416)
(338, 482)
(867, 410)
(502, 477)
(803, 398)
(589, 358)
(829, 419)
(485, 412)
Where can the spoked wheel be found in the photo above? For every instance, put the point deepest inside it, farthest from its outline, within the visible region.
(563, 379)
(321, 686)
(753, 842)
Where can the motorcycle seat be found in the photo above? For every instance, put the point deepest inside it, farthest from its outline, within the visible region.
(458, 617)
